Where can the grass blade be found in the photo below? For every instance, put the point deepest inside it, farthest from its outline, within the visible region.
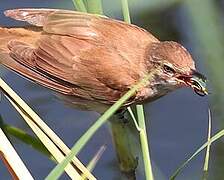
(134, 119)
(58, 170)
(26, 138)
(94, 6)
(140, 113)
(213, 139)
(12, 160)
(72, 173)
(79, 5)
(51, 141)
(125, 11)
(144, 143)
(205, 169)
(92, 164)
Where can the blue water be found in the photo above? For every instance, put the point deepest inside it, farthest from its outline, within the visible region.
(177, 126)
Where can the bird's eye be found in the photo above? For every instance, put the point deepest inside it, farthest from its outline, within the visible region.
(168, 69)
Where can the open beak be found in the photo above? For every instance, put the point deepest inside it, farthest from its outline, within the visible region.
(197, 82)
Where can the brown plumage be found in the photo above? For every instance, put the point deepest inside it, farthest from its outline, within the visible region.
(91, 60)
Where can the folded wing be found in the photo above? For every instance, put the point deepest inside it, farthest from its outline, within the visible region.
(97, 58)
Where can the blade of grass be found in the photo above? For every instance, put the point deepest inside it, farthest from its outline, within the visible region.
(213, 139)
(208, 147)
(92, 164)
(58, 170)
(23, 136)
(125, 11)
(38, 125)
(205, 169)
(94, 6)
(133, 118)
(70, 170)
(140, 113)
(144, 143)
(79, 5)
(26, 138)
(12, 160)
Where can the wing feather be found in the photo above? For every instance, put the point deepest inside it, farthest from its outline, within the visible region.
(100, 58)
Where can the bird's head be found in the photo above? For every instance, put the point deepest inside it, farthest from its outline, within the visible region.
(175, 68)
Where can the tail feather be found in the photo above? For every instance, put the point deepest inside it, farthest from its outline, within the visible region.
(22, 52)
(20, 34)
(15, 45)
(31, 74)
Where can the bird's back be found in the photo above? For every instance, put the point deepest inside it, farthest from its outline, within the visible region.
(76, 54)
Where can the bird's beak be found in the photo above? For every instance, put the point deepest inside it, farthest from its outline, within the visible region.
(197, 82)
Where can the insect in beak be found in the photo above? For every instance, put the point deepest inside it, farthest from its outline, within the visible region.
(197, 82)
(198, 85)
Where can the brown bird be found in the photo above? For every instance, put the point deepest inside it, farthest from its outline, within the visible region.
(91, 61)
